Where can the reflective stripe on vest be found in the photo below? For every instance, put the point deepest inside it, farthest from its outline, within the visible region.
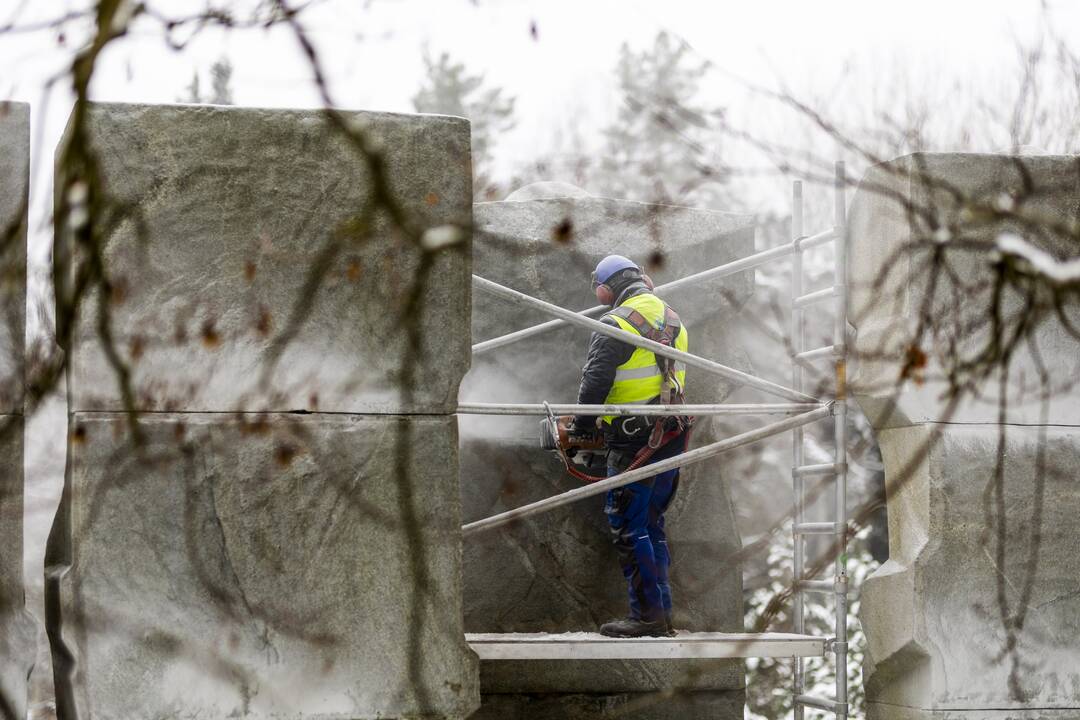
(638, 380)
(645, 372)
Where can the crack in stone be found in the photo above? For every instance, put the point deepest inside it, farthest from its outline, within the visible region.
(262, 629)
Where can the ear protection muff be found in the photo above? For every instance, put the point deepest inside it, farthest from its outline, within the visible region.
(604, 295)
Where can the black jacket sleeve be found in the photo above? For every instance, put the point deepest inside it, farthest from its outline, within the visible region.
(605, 354)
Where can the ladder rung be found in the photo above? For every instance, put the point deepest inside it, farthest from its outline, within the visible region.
(819, 528)
(816, 354)
(811, 298)
(821, 703)
(824, 586)
(823, 469)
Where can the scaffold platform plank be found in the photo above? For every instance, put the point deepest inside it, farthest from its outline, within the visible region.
(685, 645)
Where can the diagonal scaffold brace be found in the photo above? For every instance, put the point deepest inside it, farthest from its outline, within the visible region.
(736, 266)
(701, 363)
(688, 458)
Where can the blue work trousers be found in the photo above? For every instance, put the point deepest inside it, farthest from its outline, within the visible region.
(635, 514)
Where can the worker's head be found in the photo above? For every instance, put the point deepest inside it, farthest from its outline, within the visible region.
(613, 274)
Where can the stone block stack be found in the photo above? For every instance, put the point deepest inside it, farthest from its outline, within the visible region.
(976, 614)
(276, 532)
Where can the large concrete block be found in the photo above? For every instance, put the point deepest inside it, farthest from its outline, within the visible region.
(598, 677)
(16, 626)
(260, 566)
(547, 247)
(975, 614)
(626, 706)
(907, 209)
(978, 607)
(558, 571)
(230, 212)
(17, 641)
(14, 189)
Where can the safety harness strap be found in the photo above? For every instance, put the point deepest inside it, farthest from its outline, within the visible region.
(665, 335)
(670, 388)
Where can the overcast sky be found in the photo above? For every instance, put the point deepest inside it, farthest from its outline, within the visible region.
(833, 49)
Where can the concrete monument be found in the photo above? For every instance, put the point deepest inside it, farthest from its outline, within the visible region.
(16, 626)
(976, 614)
(277, 534)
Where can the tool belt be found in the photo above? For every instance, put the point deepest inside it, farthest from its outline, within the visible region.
(629, 458)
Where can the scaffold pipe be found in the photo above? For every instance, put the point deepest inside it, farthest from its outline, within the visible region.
(715, 409)
(637, 341)
(687, 458)
(747, 263)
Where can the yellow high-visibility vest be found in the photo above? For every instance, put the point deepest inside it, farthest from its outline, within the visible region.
(638, 380)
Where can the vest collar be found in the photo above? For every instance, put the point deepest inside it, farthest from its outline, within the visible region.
(637, 287)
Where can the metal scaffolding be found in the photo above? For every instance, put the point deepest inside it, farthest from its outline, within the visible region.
(801, 410)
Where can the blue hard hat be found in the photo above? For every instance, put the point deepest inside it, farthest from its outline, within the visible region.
(611, 265)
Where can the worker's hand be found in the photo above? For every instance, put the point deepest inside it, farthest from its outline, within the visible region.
(578, 431)
(581, 426)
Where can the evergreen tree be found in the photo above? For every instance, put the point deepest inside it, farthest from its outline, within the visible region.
(662, 146)
(450, 90)
(220, 85)
(220, 77)
(193, 95)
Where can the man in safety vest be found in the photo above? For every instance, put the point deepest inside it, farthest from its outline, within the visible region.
(618, 373)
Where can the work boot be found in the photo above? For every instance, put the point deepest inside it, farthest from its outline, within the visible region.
(632, 627)
(671, 631)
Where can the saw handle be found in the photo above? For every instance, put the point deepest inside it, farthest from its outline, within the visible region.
(560, 434)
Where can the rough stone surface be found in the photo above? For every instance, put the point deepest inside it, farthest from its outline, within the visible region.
(16, 625)
(894, 712)
(17, 642)
(600, 676)
(268, 564)
(632, 706)
(265, 566)
(547, 248)
(234, 207)
(976, 614)
(14, 188)
(558, 571)
(934, 614)
(889, 282)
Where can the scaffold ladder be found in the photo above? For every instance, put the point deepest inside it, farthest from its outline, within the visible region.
(837, 528)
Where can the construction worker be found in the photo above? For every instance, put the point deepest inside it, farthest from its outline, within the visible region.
(618, 373)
